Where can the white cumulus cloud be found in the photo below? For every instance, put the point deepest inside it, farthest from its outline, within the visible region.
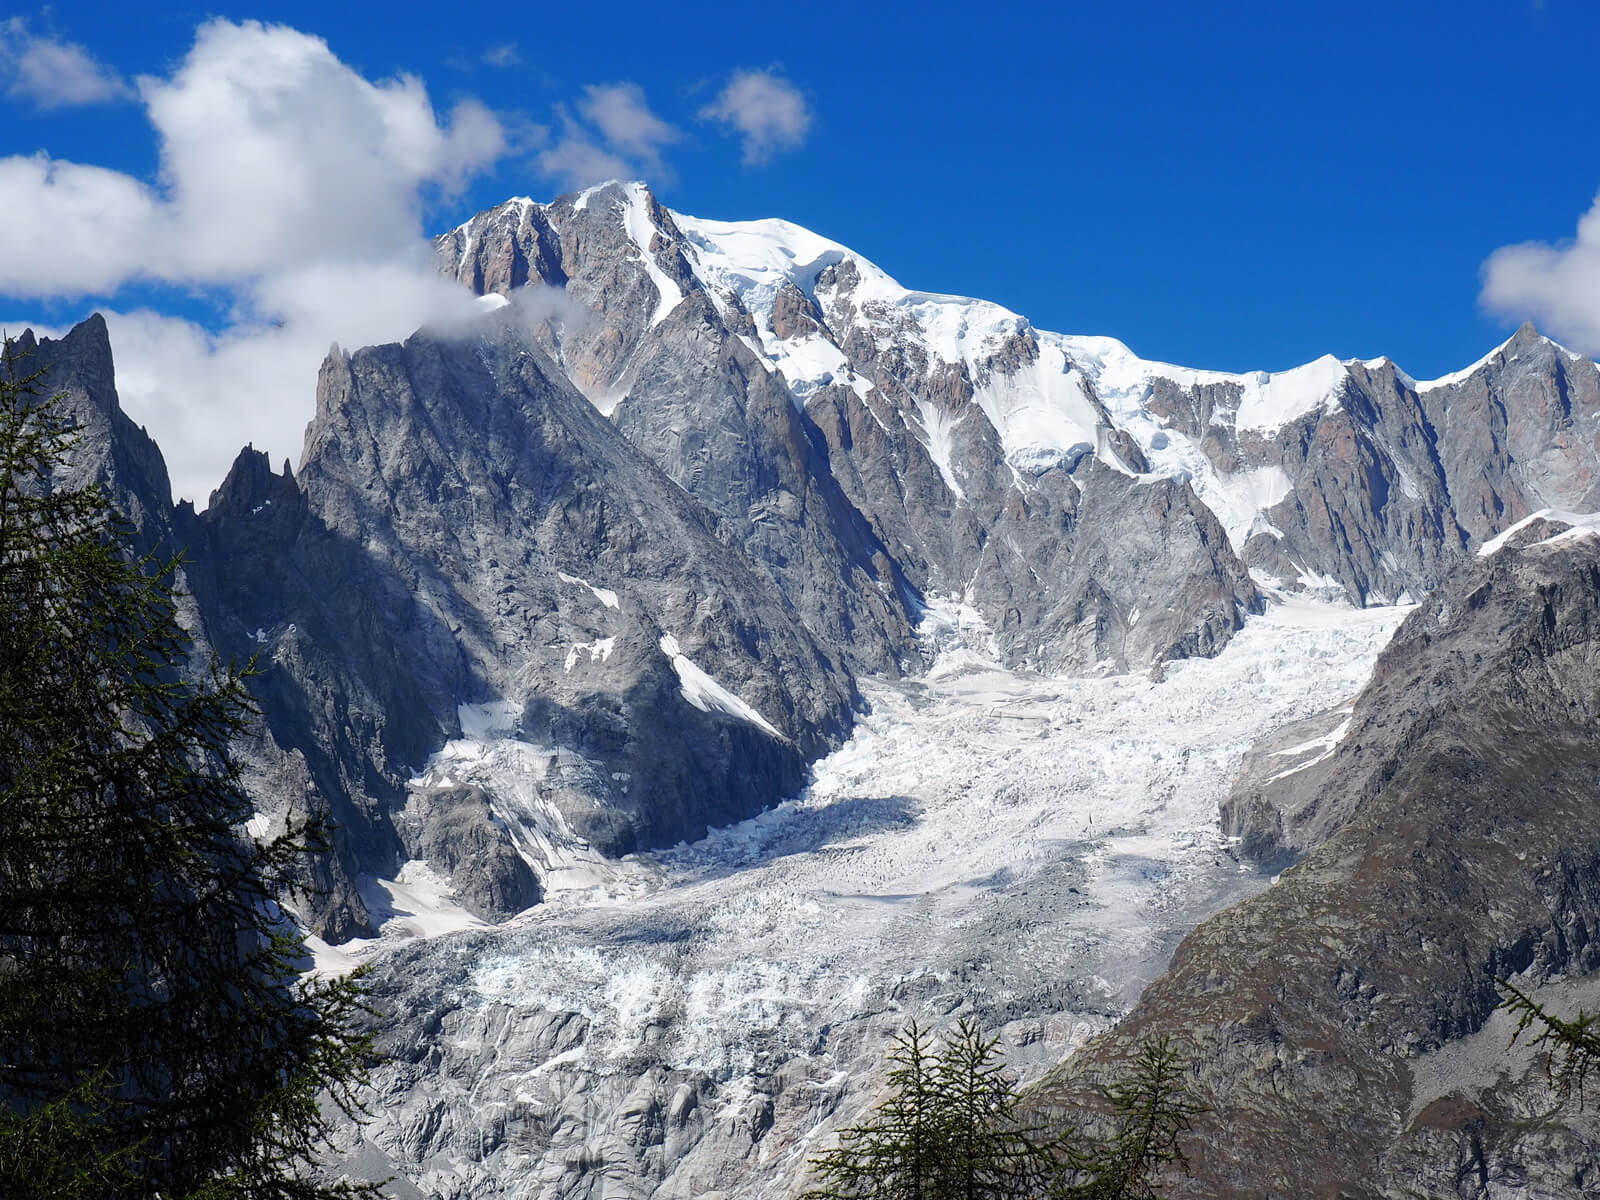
(1555, 286)
(52, 73)
(287, 180)
(765, 109)
(71, 229)
(274, 151)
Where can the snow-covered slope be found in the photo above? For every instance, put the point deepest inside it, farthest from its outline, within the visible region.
(1045, 410)
(1054, 406)
(1339, 476)
(1241, 440)
(952, 424)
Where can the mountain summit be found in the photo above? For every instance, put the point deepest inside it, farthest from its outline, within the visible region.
(950, 423)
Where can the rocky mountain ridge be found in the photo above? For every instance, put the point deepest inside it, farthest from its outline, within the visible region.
(853, 477)
(946, 418)
(607, 569)
(848, 456)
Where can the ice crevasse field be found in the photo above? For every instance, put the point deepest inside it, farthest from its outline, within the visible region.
(1023, 848)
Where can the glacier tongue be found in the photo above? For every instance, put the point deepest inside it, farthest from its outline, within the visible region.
(1023, 848)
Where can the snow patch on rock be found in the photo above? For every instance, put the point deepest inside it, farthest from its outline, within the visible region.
(706, 694)
(1578, 525)
(605, 595)
(642, 231)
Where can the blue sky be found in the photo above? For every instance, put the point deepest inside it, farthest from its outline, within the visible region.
(1234, 187)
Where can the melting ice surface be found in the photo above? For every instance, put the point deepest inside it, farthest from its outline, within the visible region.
(1021, 848)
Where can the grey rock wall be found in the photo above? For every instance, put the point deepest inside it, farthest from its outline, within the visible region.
(458, 516)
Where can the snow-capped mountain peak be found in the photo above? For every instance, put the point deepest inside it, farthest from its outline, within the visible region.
(1288, 462)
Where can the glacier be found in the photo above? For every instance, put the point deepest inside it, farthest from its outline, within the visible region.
(1022, 848)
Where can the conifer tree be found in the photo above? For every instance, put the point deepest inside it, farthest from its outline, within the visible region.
(948, 1130)
(991, 1153)
(157, 1037)
(1571, 1047)
(951, 1129)
(892, 1155)
(1153, 1111)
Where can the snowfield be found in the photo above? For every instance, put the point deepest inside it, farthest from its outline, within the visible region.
(1024, 849)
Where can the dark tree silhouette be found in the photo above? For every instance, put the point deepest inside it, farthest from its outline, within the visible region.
(951, 1129)
(157, 1036)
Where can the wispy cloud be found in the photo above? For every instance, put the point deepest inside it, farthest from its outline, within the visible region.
(576, 160)
(613, 135)
(503, 55)
(52, 73)
(620, 112)
(1556, 286)
(765, 109)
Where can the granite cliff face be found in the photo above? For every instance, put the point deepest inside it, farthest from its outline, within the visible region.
(110, 451)
(470, 554)
(470, 551)
(1340, 1022)
(629, 319)
(1389, 481)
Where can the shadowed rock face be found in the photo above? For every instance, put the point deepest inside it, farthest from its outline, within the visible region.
(111, 451)
(1453, 839)
(466, 529)
(114, 453)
